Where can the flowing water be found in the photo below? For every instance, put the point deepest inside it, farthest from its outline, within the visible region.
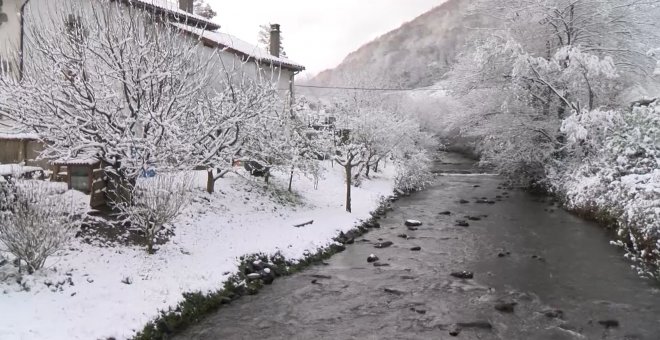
(556, 271)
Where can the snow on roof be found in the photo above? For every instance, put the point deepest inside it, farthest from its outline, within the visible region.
(238, 46)
(172, 6)
(76, 161)
(11, 130)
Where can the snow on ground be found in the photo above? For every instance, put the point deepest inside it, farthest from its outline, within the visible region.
(80, 295)
(17, 169)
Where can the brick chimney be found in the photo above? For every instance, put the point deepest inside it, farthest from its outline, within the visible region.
(275, 40)
(186, 5)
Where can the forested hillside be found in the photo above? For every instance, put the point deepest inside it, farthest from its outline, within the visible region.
(417, 54)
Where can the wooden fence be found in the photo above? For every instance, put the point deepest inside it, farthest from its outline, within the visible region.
(98, 190)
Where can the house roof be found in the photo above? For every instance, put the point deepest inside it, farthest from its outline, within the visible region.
(240, 47)
(171, 7)
(10, 130)
(77, 161)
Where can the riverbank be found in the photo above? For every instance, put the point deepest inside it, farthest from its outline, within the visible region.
(98, 289)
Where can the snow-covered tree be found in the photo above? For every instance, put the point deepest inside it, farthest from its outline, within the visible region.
(542, 61)
(227, 120)
(203, 9)
(414, 172)
(280, 140)
(614, 170)
(34, 223)
(370, 129)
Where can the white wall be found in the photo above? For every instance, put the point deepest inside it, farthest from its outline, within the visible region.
(279, 76)
(10, 32)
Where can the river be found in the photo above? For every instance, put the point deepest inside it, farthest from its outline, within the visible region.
(539, 273)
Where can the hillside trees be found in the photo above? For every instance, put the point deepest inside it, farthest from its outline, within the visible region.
(371, 129)
(545, 61)
(203, 9)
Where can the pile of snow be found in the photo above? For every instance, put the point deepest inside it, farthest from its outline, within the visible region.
(92, 292)
(17, 170)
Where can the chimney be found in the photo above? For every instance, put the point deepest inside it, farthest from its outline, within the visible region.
(275, 40)
(186, 5)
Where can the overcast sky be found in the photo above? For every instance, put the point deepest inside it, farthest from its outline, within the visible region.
(318, 33)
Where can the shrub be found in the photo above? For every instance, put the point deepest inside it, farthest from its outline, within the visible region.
(614, 170)
(33, 223)
(154, 202)
(414, 173)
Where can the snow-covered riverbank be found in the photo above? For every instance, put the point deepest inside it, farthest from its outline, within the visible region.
(93, 292)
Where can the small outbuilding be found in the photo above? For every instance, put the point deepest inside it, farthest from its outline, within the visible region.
(85, 175)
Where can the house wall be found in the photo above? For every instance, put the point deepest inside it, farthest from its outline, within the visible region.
(10, 33)
(14, 151)
(11, 151)
(280, 77)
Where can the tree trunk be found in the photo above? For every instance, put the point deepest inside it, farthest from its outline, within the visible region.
(348, 168)
(376, 165)
(290, 180)
(366, 174)
(210, 181)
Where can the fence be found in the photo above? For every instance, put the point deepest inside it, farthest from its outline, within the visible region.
(98, 190)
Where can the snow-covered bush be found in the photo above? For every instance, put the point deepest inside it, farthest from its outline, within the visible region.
(414, 172)
(34, 223)
(615, 169)
(154, 202)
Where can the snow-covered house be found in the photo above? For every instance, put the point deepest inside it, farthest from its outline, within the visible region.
(20, 17)
(16, 15)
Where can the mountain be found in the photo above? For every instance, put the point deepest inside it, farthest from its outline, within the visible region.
(416, 54)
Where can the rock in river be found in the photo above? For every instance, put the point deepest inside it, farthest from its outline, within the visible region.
(267, 276)
(385, 244)
(253, 276)
(418, 248)
(505, 307)
(394, 291)
(445, 213)
(462, 223)
(610, 323)
(463, 275)
(554, 313)
(372, 258)
(412, 223)
(372, 225)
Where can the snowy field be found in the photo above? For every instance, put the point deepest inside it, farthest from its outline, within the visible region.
(80, 294)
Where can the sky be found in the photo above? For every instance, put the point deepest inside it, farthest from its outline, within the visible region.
(318, 33)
